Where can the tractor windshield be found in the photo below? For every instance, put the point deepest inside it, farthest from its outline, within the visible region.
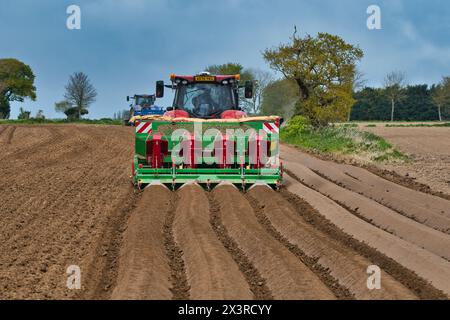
(144, 101)
(205, 100)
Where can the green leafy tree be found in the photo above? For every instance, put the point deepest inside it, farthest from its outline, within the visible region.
(40, 115)
(72, 113)
(80, 93)
(371, 104)
(417, 105)
(16, 84)
(394, 84)
(279, 98)
(324, 68)
(23, 114)
(231, 69)
(441, 97)
(261, 80)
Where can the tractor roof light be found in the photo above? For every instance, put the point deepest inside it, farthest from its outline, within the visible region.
(185, 82)
(237, 77)
(172, 76)
(225, 82)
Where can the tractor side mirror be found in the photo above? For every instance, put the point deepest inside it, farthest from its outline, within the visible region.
(169, 109)
(248, 89)
(159, 89)
(128, 98)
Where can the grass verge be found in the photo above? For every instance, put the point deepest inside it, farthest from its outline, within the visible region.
(340, 140)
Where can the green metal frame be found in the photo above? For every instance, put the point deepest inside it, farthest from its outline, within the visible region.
(242, 176)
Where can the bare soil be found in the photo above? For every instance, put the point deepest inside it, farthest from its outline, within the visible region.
(66, 199)
(429, 148)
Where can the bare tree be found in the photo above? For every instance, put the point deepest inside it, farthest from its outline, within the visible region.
(441, 95)
(261, 80)
(80, 92)
(359, 82)
(394, 84)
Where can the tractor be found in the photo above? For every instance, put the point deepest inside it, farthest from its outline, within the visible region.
(206, 138)
(143, 105)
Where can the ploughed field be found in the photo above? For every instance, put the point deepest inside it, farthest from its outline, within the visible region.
(428, 147)
(67, 200)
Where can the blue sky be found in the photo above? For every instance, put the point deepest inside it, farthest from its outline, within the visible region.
(126, 45)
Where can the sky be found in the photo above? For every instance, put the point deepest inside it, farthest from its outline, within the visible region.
(125, 46)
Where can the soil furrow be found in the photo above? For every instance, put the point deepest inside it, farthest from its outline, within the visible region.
(144, 271)
(423, 263)
(341, 267)
(286, 276)
(10, 135)
(179, 283)
(424, 207)
(3, 129)
(256, 282)
(404, 228)
(438, 222)
(211, 271)
(260, 208)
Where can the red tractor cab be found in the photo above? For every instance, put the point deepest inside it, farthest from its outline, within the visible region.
(205, 96)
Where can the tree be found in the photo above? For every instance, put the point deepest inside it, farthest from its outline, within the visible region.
(40, 115)
(394, 83)
(371, 104)
(23, 114)
(16, 84)
(279, 98)
(80, 93)
(359, 83)
(323, 68)
(441, 95)
(417, 105)
(261, 80)
(72, 113)
(231, 68)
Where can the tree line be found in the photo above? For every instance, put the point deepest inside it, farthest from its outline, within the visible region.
(399, 102)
